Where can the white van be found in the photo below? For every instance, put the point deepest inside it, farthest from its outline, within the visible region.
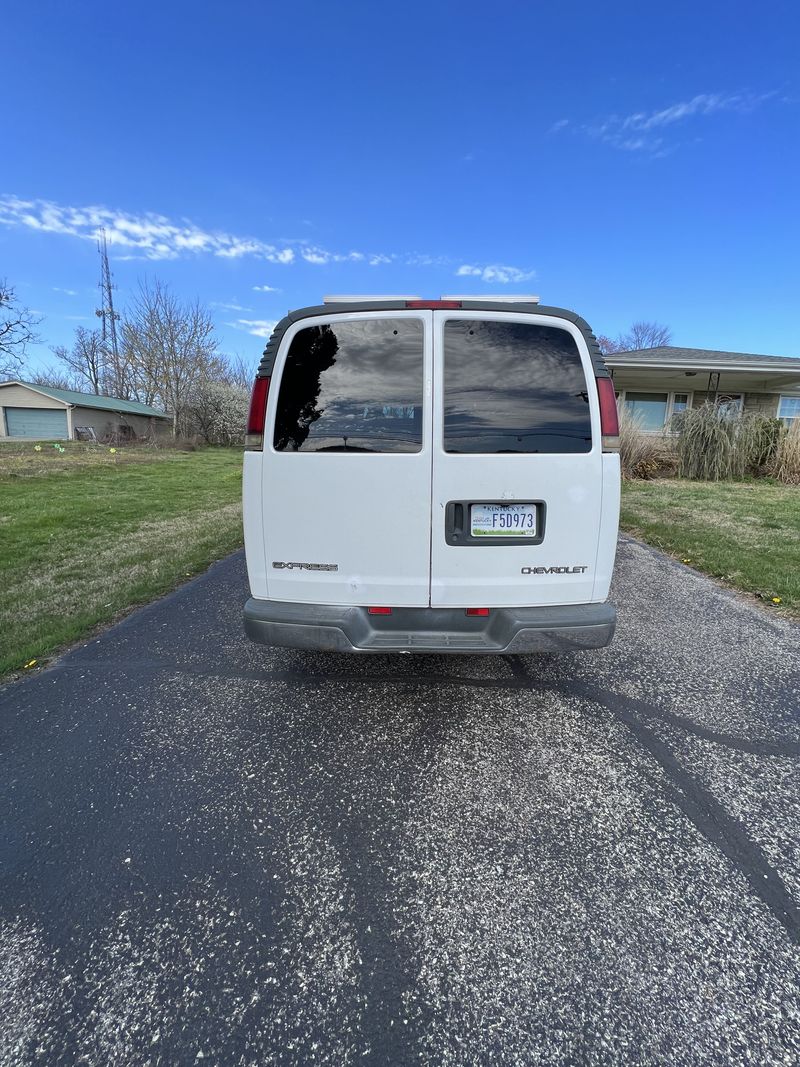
(431, 476)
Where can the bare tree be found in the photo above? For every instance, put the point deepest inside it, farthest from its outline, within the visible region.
(119, 374)
(645, 335)
(54, 377)
(640, 335)
(169, 346)
(17, 330)
(86, 361)
(239, 372)
(607, 346)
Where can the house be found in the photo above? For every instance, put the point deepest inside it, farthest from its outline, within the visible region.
(37, 412)
(658, 383)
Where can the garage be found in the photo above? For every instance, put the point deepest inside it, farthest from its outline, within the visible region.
(37, 422)
(33, 412)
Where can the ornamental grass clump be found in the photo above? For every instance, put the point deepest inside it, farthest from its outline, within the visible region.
(639, 452)
(786, 464)
(706, 444)
(756, 440)
(715, 444)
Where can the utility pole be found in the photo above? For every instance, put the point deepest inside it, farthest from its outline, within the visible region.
(106, 311)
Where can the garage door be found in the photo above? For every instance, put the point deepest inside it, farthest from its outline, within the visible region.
(44, 423)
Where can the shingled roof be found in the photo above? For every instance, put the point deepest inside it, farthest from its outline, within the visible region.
(708, 358)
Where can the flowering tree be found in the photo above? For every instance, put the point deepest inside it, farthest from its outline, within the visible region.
(217, 412)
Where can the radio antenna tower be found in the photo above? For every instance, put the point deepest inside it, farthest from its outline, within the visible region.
(106, 311)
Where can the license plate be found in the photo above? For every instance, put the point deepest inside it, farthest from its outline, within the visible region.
(503, 520)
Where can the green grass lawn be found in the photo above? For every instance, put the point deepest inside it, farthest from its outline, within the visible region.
(745, 533)
(87, 533)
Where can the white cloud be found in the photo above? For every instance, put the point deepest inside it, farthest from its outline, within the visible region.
(154, 237)
(67, 292)
(643, 130)
(255, 327)
(321, 256)
(286, 255)
(495, 272)
(265, 289)
(560, 125)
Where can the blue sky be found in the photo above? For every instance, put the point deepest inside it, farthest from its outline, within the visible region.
(627, 160)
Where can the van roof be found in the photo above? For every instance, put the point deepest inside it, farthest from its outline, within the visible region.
(400, 304)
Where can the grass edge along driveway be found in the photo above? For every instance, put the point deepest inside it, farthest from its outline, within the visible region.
(746, 534)
(83, 540)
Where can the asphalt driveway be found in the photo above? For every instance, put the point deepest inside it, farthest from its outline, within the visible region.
(218, 853)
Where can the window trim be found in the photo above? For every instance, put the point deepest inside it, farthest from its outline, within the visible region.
(787, 420)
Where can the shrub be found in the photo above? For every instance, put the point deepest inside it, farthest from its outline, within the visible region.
(641, 455)
(785, 465)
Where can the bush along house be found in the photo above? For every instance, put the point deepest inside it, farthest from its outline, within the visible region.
(656, 384)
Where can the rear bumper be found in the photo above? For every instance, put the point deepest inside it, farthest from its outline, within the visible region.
(333, 628)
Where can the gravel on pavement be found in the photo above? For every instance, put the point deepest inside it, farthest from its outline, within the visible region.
(214, 852)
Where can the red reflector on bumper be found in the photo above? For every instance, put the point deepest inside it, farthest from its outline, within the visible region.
(477, 611)
(379, 611)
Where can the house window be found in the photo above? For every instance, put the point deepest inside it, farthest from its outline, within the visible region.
(650, 409)
(789, 409)
(730, 404)
(656, 412)
(680, 403)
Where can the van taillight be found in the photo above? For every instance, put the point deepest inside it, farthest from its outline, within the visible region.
(609, 423)
(254, 437)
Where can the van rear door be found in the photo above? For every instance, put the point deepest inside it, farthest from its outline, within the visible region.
(517, 471)
(347, 461)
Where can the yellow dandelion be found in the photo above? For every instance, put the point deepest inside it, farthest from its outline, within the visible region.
(686, 561)
(776, 600)
(112, 450)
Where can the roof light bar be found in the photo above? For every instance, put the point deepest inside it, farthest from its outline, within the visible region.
(496, 298)
(368, 298)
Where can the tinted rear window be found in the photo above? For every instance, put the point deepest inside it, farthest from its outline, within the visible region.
(353, 387)
(513, 387)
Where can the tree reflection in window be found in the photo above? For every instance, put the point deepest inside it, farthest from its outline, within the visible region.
(353, 386)
(313, 351)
